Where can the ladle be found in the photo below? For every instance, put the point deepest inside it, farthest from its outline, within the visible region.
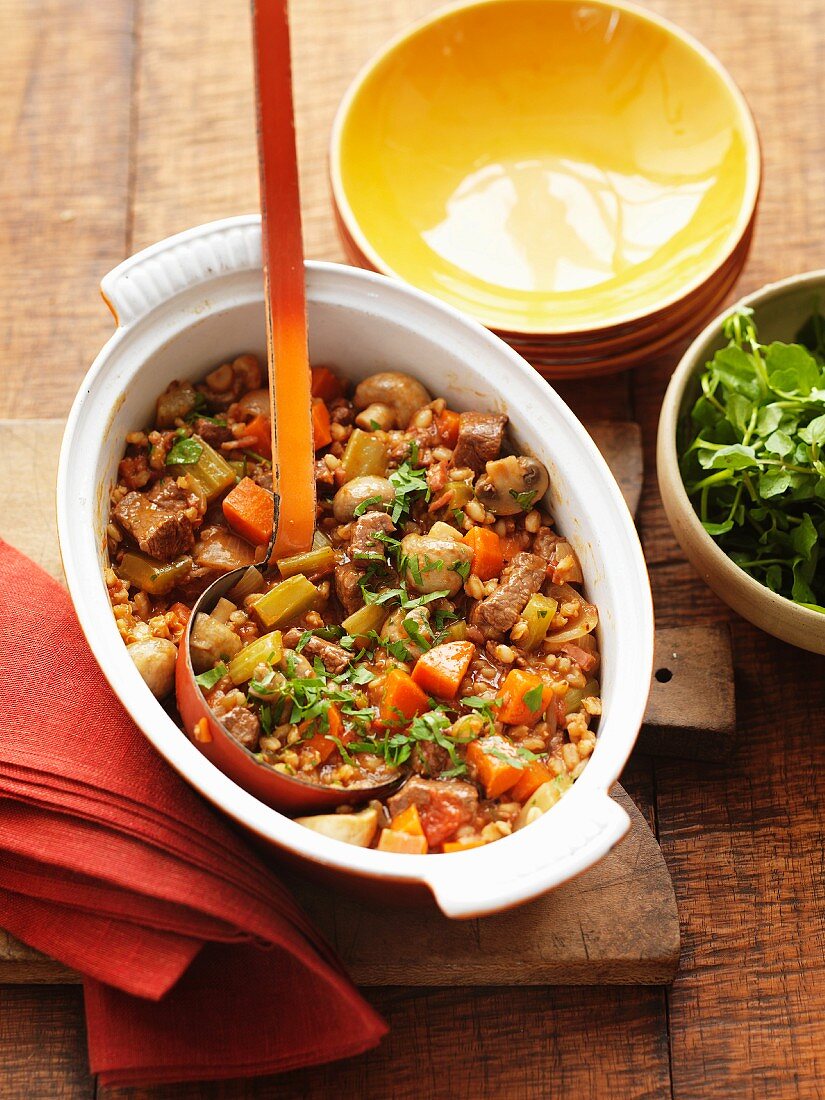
(291, 415)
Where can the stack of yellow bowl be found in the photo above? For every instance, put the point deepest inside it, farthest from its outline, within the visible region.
(580, 176)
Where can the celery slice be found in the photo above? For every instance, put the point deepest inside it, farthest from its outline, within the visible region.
(367, 618)
(313, 561)
(153, 576)
(211, 475)
(538, 614)
(285, 601)
(364, 454)
(265, 650)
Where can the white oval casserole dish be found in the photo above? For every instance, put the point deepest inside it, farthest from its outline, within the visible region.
(196, 299)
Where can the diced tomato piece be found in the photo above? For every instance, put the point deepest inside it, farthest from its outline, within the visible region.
(440, 817)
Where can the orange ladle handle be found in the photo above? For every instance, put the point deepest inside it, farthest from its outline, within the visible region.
(290, 397)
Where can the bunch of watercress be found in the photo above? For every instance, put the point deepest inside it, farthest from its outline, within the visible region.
(752, 456)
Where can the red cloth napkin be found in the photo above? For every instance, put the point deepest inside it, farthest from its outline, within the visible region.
(198, 964)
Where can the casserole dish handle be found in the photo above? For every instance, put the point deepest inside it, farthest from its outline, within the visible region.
(166, 271)
(542, 856)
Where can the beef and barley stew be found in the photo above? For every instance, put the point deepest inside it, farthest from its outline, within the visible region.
(436, 630)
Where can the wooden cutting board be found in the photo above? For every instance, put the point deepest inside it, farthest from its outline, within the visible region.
(617, 923)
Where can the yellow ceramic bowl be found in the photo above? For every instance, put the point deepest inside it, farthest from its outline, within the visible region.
(548, 166)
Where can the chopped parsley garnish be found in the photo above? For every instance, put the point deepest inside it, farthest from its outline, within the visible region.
(533, 697)
(185, 450)
(414, 632)
(209, 678)
(365, 505)
(525, 499)
(397, 746)
(410, 484)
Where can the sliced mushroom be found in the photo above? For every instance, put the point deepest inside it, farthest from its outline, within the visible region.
(512, 485)
(403, 394)
(155, 661)
(435, 564)
(359, 490)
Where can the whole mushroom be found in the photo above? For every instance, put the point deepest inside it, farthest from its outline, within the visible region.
(394, 629)
(356, 492)
(436, 563)
(401, 393)
(512, 484)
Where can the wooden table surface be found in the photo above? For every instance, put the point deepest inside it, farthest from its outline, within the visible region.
(128, 120)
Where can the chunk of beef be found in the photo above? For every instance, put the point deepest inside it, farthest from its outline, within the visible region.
(323, 474)
(211, 433)
(159, 532)
(341, 411)
(499, 613)
(559, 555)
(479, 440)
(244, 726)
(167, 494)
(134, 470)
(364, 547)
(333, 657)
(429, 759)
(263, 477)
(443, 805)
(347, 588)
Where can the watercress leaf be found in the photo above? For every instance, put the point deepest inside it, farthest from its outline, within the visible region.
(773, 577)
(779, 443)
(769, 418)
(773, 482)
(736, 456)
(791, 368)
(734, 369)
(804, 537)
(718, 528)
(704, 413)
(814, 432)
(739, 410)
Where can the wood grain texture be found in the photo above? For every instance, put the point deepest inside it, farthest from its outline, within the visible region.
(743, 838)
(691, 711)
(43, 1045)
(570, 936)
(65, 88)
